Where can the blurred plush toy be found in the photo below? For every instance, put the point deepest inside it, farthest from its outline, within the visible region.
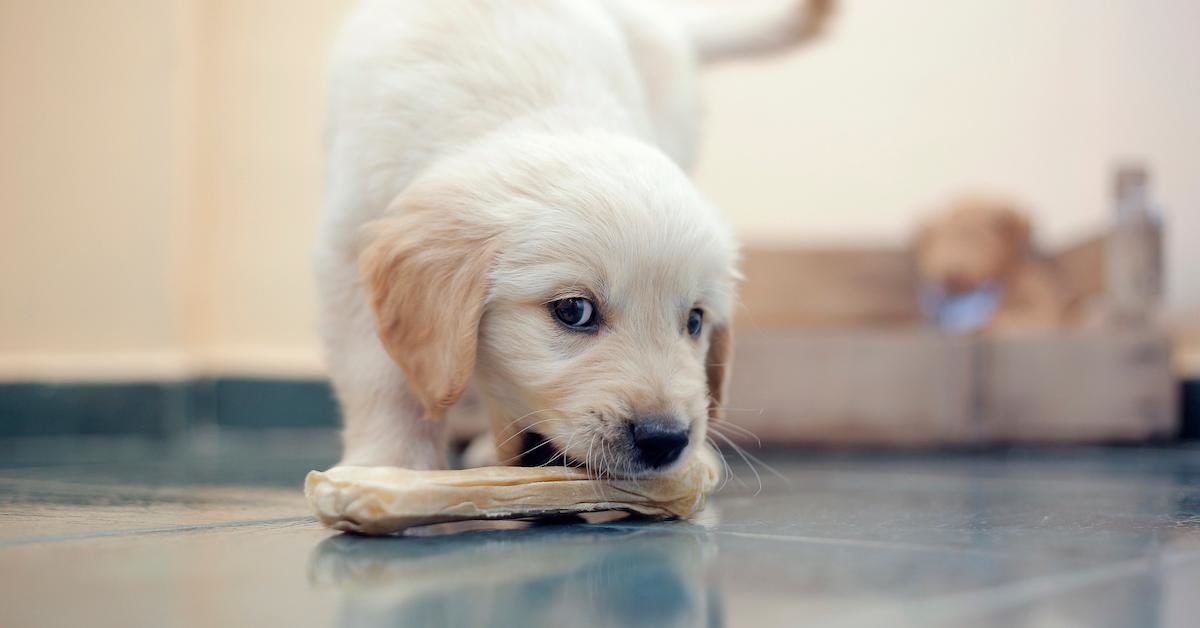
(978, 270)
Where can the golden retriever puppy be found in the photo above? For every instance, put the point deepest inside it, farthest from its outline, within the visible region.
(507, 205)
(979, 270)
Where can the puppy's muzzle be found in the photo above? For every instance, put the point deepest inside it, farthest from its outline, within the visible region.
(657, 441)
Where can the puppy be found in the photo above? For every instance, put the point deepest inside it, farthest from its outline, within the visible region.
(979, 270)
(507, 205)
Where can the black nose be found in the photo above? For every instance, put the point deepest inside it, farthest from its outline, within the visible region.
(958, 283)
(658, 440)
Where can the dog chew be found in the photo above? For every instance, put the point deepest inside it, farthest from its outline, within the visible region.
(387, 500)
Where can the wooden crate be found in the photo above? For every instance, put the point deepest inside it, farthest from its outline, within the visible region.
(896, 388)
(827, 289)
(831, 350)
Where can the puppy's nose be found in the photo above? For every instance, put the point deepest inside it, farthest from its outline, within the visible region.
(658, 440)
(958, 283)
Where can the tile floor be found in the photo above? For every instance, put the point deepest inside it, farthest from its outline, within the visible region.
(213, 531)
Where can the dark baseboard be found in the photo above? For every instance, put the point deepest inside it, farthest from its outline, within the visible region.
(272, 403)
(165, 408)
(1189, 409)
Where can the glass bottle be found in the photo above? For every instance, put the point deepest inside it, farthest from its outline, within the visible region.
(1134, 276)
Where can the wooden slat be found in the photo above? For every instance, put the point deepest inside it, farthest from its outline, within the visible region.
(800, 288)
(1081, 268)
(925, 389)
(853, 388)
(1091, 387)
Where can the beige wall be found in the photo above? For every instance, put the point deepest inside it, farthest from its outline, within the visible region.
(160, 172)
(95, 168)
(911, 102)
(260, 172)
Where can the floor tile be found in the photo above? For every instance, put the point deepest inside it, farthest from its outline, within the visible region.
(213, 531)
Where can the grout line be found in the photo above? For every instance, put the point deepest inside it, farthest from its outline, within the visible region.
(174, 493)
(889, 545)
(834, 541)
(102, 534)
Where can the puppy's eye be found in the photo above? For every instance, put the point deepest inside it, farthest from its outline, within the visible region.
(695, 322)
(576, 313)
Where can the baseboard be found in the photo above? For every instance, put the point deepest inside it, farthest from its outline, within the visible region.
(159, 408)
(1189, 409)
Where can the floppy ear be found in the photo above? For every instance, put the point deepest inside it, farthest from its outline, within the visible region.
(717, 367)
(926, 232)
(922, 238)
(427, 274)
(1016, 228)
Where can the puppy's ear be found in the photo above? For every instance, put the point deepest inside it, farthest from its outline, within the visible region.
(427, 273)
(717, 368)
(923, 237)
(1016, 229)
(919, 247)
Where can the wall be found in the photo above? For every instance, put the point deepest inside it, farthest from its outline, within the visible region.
(160, 174)
(260, 169)
(908, 103)
(95, 171)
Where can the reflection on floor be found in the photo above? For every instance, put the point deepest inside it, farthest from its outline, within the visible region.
(213, 531)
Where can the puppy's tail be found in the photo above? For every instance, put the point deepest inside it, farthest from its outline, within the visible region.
(740, 28)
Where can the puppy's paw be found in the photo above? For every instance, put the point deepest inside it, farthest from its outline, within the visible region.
(480, 453)
(416, 456)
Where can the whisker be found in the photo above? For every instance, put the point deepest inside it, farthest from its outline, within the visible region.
(563, 452)
(527, 428)
(529, 414)
(533, 449)
(591, 468)
(737, 478)
(738, 429)
(734, 426)
(575, 463)
(774, 472)
(549, 461)
(724, 463)
(606, 468)
(745, 454)
(602, 453)
(739, 451)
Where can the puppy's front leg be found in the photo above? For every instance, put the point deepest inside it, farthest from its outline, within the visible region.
(385, 423)
(385, 428)
(481, 452)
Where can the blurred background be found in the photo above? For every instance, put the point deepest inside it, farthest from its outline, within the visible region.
(161, 177)
(160, 184)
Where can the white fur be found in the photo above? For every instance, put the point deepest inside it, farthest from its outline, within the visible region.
(556, 129)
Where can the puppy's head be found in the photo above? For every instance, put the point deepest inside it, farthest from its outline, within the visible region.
(976, 242)
(585, 283)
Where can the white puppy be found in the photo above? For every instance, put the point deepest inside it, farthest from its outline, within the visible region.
(506, 203)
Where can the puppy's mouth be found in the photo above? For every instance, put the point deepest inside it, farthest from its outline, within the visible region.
(540, 451)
